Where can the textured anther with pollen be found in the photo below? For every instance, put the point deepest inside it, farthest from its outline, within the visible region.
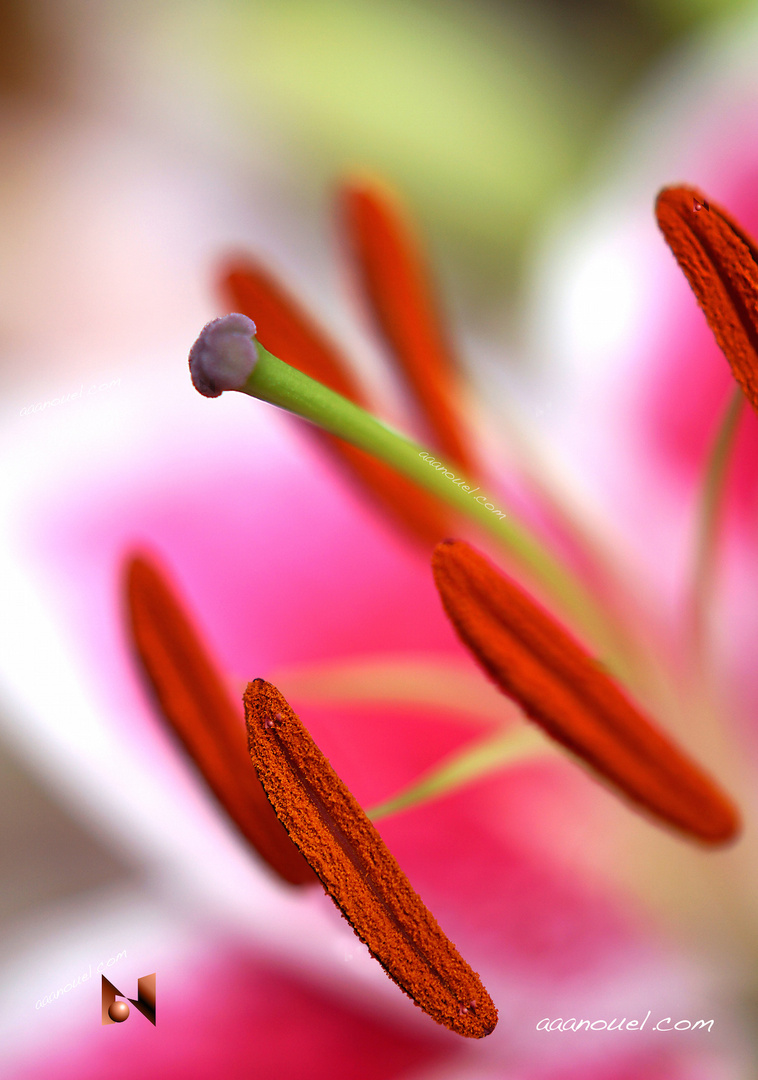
(357, 870)
(720, 261)
(558, 685)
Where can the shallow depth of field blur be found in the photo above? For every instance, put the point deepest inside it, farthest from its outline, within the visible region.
(140, 144)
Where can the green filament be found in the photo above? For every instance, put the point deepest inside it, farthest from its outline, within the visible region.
(709, 520)
(477, 759)
(280, 384)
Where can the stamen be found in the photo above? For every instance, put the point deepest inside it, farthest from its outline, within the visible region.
(720, 262)
(356, 869)
(537, 663)
(398, 286)
(290, 332)
(194, 703)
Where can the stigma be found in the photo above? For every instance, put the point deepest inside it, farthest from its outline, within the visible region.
(224, 355)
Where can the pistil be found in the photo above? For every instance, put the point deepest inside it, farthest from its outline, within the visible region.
(278, 383)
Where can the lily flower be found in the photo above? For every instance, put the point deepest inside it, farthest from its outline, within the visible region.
(617, 740)
(274, 552)
(388, 698)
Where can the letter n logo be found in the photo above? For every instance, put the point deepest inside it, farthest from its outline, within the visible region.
(115, 1012)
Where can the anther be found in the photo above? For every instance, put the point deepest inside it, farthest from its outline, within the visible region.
(540, 666)
(355, 867)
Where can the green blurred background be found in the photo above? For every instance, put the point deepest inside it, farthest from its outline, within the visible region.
(482, 112)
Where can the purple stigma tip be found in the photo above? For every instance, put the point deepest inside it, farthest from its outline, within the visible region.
(224, 355)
